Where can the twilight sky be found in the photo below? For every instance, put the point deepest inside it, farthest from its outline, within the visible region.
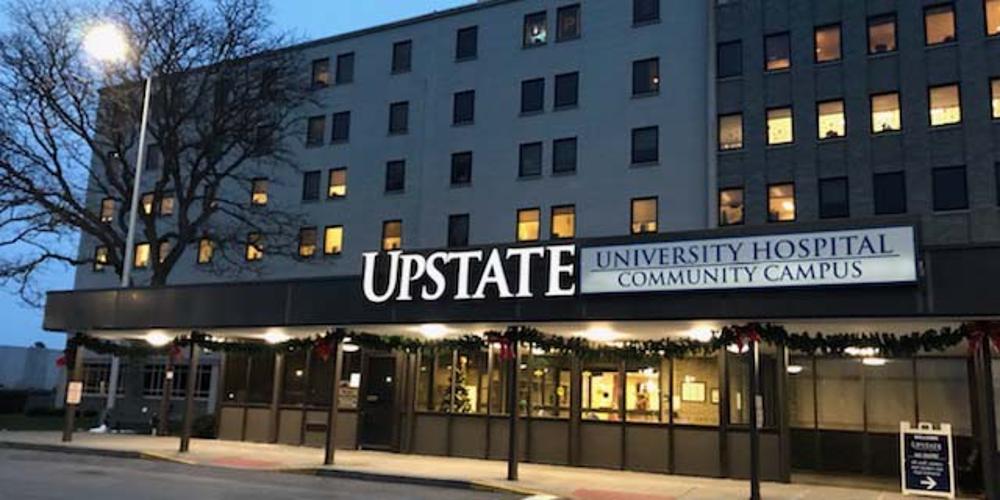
(306, 19)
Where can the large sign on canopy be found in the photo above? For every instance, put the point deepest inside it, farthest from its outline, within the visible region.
(854, 257)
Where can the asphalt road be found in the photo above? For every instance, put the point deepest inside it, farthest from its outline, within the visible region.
(30, 475)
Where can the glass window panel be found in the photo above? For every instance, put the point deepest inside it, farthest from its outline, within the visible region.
(164, 250)
(644, 11)
(890, 395)
(166, 205)
(535, 29)
(530, 160)
(206, 250)
(461, 168)
(259, 390)
(779, 126)
(643, 397)
(466, 43)
(800, 392)
(992, 17)
(831, 121)
(533, 95)
(310, 186)
(950, 189)
(464, 107)
(886, 116)
(995, 92)
(731, 207)
(946, 106)
(458, 230)
(882, 35)
(319, 389)
(442, 381)
(307, 242)
(402, 53)
(777, 52)
(100, 258)
(939, 24)
(563, 222)
(890, 193)
(315, 131)
(696, 391)
(399, 113)
(395, 176)
(142, 251)
(255, 247)
(258, 192)
(425, 381)
(341, 126)
(293, 382)
(833, 198)
(146, 203)
(235, 384)
(320, 72)
(333, 240)
(567, 90)
(345, 68)
(108, 209)
(943, 393)
(154, 158)
(645, 145)
(528, 224)
(602, 392)
(337, 186)
(392, 235)
(644, 215)
(470, 388)
(840, 394)
(646, 76)
(828, 43)
(350, 381)
(730, 132)
(739, 387)
(564, 155)
(550, 385)
(729, 59)
(568, 21)
(781, 203)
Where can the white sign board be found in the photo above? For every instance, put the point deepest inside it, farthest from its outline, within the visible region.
(927, 458)
(852, 257)
(74, 393)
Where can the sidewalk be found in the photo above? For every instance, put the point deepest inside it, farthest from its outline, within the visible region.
(564, 482)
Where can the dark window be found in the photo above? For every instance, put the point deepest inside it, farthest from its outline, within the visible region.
(950, 189)
(568, 22)
(395, 176)
(310, 186)
(531, 160)
(467, 43)
(342, 126)
(465, 107)
(645, 145)
(777, 52)
(399, 117)
(729, 59)
(567, 90)
(646, 76)
(345, 68)
(533, 95)
(996, 170)
(461, 168)
(314, 133)
(890, 193)
(882, 34)
(458, 230)
(321, 72)
(564, 156)
(536, 30)
(154, 158)
(402, 55)
(833, 198)
(645, 11)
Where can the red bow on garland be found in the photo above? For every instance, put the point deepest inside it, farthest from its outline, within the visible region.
(323, 348)
(506, 343)
(61, 361)
(175, 352)
(746, 335)
(983, 330)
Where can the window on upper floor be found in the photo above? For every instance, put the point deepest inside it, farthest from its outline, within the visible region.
(882, 34)
(395, 176)
(827, 43)
(530, 160)
(780, 127)
(536, 31)
(392, 235)
(307, 242)
(646, 76)
(568, 23)
(563, 222)
(464, 108)
(141, 258)
(645, 215)
(341, 127)
(108, 206)
(254, 247)
(564, 155)
(402, 56)
(529, 224)
(939, 24)
(533, 96)
(995, 93)
(166, 205)
(731, 206)
(315, 131)
(310, 185)
(731, 132)
(146, 203)
(833, 198)
(333, 240)
(399, 117)
(781, 202)
(645, 145)
(777, 52)
(830, 120)
(154, 158)
(320, 72)
(945, 105)
(467, 43)
(886, 116)
(345, 68)
(567, 90)
(992, 8)
(258, 192)
(461, 168)
(890, 193)
(337, 184)
(206, 250)
(950, 189)
(458, 230)
(164, 250)
(645, 11)
(101, 258)
(729, 59)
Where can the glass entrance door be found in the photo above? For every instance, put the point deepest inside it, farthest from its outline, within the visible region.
(378, 404)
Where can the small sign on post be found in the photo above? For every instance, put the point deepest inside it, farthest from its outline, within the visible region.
(74, 393)
(928, 460)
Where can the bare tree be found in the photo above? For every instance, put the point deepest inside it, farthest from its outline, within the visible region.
(223, 108)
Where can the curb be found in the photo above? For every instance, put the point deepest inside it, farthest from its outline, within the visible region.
(71, 450)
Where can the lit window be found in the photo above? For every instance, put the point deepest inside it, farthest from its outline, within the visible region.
(333, 240)
(827, 39)
(939, 24)
(885, 113)
(206, 250)
(392, 235)
(992, 8)
(830, 117)
(731, 207)
(535, 29)
(315, 131)
(946, 106)
(644, 215)
(258, 192)
(307, 242)
(338, 183)
(730, 132)
(646, 76)
(779, 126)
(882, 34)
(781, 203)
(996, 97)
(167, 205)
(100, 258)
(164, 250)
(568, 23)
(146, 203)
(141, 259)
(563, 222)
(778, 54)
(321, 72)
(529, 224)
(108, 208)
(255, 247)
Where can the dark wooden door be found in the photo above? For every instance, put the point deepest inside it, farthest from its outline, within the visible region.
(378, 403)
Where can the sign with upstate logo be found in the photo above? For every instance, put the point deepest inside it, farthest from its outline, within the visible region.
(852, 257)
